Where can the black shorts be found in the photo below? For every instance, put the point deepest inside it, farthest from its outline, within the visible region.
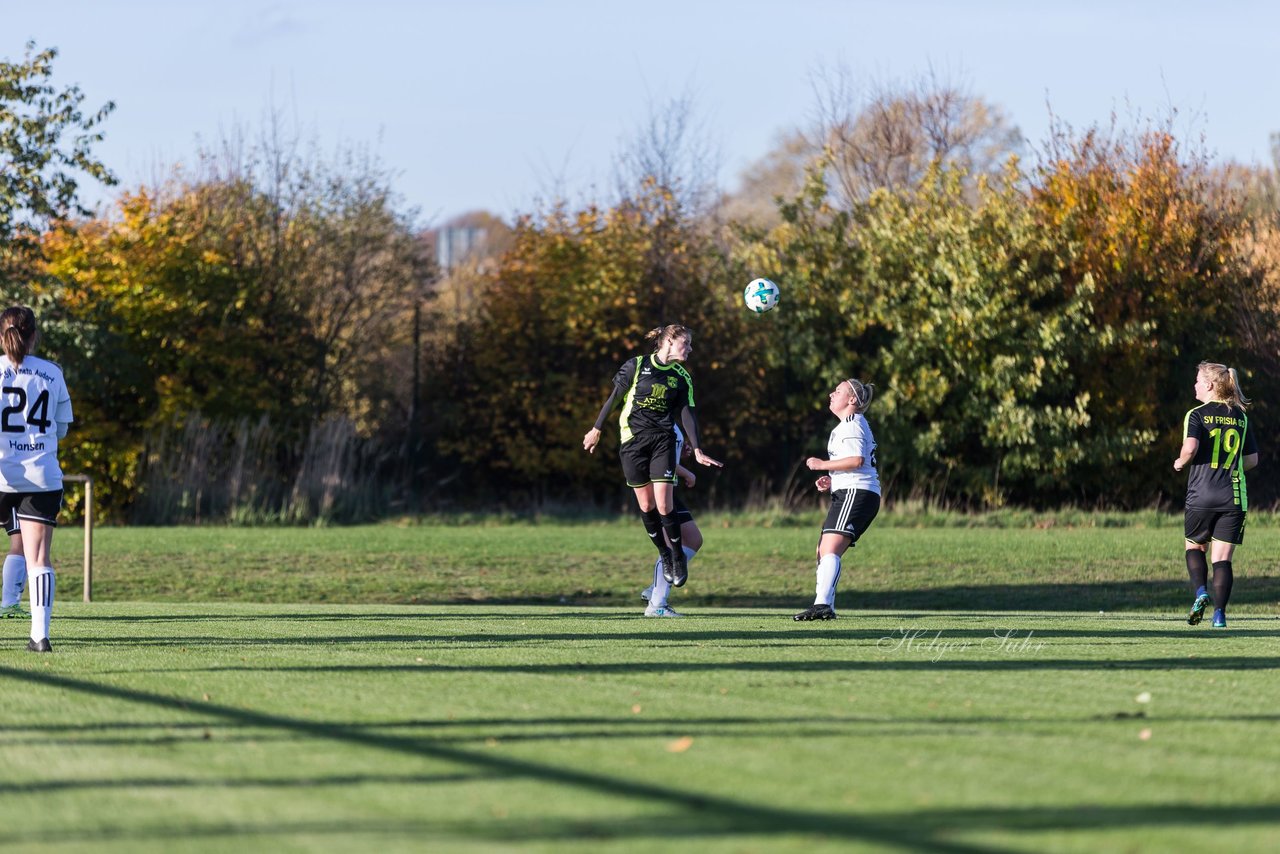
(851, 512)
(34, 506)
(1225, 526)
(650, 457)
(682, 512)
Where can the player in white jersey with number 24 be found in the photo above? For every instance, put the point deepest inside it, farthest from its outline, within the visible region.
(35, 411)
(854, 485)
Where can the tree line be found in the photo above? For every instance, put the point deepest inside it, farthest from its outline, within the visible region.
(264, 336)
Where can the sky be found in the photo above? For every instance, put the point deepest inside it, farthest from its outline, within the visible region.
(497, 105)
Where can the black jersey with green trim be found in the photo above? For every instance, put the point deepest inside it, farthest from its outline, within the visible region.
(653, 394)
(1215, 477)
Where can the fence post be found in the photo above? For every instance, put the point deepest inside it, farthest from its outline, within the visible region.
(88, 531)
(88, 539)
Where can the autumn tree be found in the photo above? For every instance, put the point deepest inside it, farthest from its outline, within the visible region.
(1139, 227)
(571, 299)
(777, 177)
(672, 150)
(887, 135)
(262, 289)
(1254, 190)
(46, 143)
(1007, 320)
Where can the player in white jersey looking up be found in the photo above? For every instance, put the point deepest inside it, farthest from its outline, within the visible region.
(854, 485)
(35, 410)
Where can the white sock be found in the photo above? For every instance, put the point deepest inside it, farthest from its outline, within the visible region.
(828, 578)
(41, 585)
(662, 587)
(15, 578)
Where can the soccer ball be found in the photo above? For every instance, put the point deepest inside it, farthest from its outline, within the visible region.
(761, 295)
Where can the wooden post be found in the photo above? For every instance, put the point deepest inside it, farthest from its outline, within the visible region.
(88, 538)
(88, 530)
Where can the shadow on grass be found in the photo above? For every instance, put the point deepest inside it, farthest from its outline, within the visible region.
(481, 741)
(915, 632)
(730, 816)
(28, 787)
(1162, 594)
(1143, 595)
(922, 662)
(693, 814)
(676, 723)
(710, 820)
(489, 733)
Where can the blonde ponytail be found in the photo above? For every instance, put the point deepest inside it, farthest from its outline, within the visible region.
(1225, 383)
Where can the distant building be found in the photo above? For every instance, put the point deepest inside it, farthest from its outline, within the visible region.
(457, 243)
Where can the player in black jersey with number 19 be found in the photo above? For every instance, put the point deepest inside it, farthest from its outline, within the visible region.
(1218, 447)
(35, 413)
(654, 389)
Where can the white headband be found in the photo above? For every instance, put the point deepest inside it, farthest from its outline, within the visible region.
(853, 389)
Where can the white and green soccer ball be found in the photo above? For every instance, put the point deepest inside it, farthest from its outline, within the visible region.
(761, 295)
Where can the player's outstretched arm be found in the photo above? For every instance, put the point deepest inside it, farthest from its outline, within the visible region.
(592, 437)
(704, 460)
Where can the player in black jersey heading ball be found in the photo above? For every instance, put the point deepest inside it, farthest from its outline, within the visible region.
(1219, 447)
(653, 390)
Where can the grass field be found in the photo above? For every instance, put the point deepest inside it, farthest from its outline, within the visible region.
(970, 698)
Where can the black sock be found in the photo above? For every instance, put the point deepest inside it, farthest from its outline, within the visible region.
(1198, 569)
(653, 527)
(1222, 578)
(671, 524)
